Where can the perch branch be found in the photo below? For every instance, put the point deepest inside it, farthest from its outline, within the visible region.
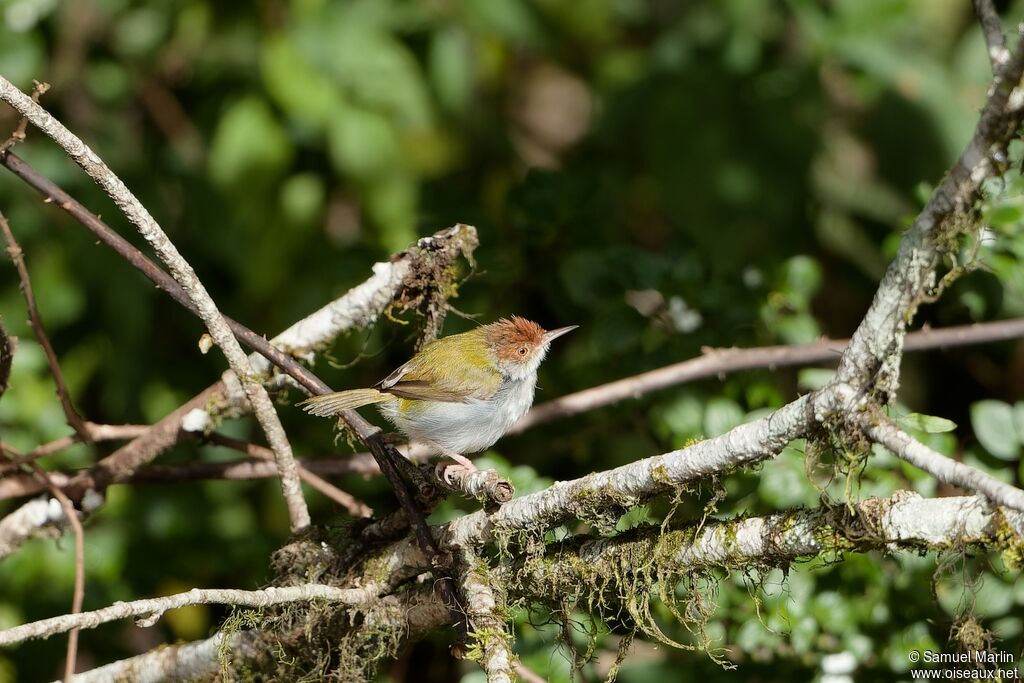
(629, 485)
(96, 432)
(487, 486)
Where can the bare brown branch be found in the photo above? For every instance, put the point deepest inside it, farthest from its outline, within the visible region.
(36, 321)
(715, 362)
(354, 506)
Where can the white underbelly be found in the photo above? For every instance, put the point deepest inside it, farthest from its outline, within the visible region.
(464, 427)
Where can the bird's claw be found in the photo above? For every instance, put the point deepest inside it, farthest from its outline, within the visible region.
(449, 471)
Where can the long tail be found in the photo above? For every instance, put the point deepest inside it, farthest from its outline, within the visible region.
(332, 404)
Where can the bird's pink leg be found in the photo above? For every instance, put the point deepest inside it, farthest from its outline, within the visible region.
(463, 463)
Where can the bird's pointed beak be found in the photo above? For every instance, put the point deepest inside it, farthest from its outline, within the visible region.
(555, 334)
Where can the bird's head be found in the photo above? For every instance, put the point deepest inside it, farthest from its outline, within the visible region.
(519, 345)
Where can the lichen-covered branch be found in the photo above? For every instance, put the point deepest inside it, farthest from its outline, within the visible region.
(151, 609)
(629, 485)
(607, 572)
(884, 431)
(609, 566)
(872, 358)
(37, 517)
(180, 662)
(490, 641)
(598, 495)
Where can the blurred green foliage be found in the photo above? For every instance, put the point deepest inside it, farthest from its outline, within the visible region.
(669, 175)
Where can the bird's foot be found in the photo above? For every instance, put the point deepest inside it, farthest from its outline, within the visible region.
(447, 471)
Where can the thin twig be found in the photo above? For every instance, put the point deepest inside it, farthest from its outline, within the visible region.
(527, 674)
(78, 596)
(184, 274)
(7, 346)
(151, 609)
(36, 321)
(97, 432)
(992, 29)
(715, 362)
(355, 507)
(20, 132)
(163, 281)
(18, 485)
(846, 401)
(186, 471)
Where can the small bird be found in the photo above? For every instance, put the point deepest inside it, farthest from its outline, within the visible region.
(460, 393)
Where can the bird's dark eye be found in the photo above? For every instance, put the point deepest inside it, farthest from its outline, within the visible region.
(523, 350)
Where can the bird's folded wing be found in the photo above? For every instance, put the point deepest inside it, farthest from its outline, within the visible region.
(428, 377)
(424, 391)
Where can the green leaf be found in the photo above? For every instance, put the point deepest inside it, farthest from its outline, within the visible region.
(798, 329)
(296, 85)
(783, 482)
(813, 379)
(511, 19)
(22, 55)
(302, 198)
(391, 203)
(451, 68)
(1004, 214)
(722, 414)
(377, 71)
(802, 277)
(249, 144)
(363, 143)
(1018, 419)
(926, 423)
(140, 31)
(993, 423)
(682, 417)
